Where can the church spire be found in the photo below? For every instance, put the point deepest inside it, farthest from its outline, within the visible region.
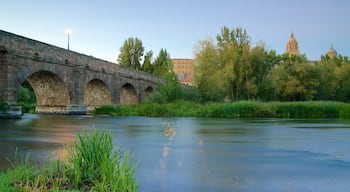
(292, 47)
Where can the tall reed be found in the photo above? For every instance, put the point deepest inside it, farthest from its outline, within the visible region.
(251, 109)
(92, 165)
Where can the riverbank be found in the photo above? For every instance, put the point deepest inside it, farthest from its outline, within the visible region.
(91, 165)
(241, 109)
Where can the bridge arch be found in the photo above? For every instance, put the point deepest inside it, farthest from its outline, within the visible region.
(128, 94)
(148, 91)
(52, 95)
(96, 94)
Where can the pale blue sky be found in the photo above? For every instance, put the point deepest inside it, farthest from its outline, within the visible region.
(101, 26)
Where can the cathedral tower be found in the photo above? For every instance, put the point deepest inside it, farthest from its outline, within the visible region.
(292, 46)
(331, 52)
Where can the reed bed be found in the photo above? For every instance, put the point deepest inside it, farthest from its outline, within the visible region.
(241, 109)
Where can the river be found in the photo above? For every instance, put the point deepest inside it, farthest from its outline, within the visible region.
(202, 154)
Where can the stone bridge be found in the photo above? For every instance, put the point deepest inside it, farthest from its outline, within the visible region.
(64, 81)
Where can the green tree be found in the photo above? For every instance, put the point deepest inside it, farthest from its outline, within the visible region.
(295, 79)
(262, 62)
(147, 65)
(343, 90)
(131, 53)
(234, 47)
(225, 70)
(328, 80)
(162, 64)
(171, 90)
(208, 74)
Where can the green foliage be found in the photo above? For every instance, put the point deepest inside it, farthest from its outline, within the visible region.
(230, 69)
(26, 98)
(162, 64)
(190, 93)
(251, 109)
(342, 74)
(171, 89)
(92, 165)
(28, 108)
(147, 63)
(131, 53)
(92, 162)
(295, 80)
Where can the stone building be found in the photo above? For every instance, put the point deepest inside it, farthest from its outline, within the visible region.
(331, 52)
(184, 68)
(292, 47)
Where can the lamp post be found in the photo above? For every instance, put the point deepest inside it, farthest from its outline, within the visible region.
(68, 31)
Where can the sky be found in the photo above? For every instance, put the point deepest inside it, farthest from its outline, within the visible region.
(100, 27)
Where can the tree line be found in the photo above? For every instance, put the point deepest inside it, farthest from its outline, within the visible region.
(132, 54)
(231, 69)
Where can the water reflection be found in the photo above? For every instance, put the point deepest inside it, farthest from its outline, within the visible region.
(43, 137)
(204, 154)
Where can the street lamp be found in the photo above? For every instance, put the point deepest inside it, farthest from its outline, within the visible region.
(68, 31)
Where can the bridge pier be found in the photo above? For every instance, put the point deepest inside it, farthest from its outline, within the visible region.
(73, 109)
(77, 109)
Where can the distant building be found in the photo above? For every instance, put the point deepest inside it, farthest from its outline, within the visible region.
(331, 52)
(184, 68)
(292, 47)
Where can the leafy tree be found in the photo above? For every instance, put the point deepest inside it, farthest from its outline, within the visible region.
(262, 61)
(162, 64)
(168, 91)
(234, 47)
(343, 91)
(171, 90)
(230, 69)
(295, 79)
(147, 65)
(208, 74)
(131, 53)
(328, 80)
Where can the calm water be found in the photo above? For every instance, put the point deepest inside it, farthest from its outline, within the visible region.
(203, 154)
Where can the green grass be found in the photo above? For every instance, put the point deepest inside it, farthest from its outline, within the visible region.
(241, 109)
(92, 165)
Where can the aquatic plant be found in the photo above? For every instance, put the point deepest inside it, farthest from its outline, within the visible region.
(250, 109)
(92, 164)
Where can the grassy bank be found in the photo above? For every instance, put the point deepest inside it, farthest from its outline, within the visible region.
(251, 109)
(91, 165)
